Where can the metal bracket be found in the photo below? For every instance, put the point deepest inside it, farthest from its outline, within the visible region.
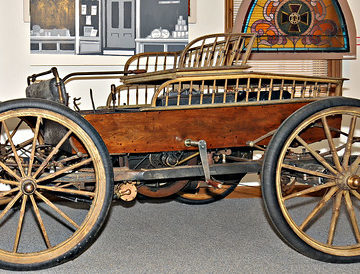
(113, 94)
(261, 138)
(204, 161)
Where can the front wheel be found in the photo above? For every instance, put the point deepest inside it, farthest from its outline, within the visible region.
(311, 180)
(53, 200)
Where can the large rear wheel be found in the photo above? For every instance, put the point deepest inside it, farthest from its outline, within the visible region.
(311, 180)
(48, 214)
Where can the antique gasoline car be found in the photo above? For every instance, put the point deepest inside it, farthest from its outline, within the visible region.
(187, 125)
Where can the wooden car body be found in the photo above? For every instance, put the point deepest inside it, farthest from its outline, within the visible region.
(184, 125)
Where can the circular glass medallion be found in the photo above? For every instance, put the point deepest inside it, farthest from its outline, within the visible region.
(294, 17)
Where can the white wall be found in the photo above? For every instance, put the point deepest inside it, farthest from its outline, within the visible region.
(17, 62)
(351, 68)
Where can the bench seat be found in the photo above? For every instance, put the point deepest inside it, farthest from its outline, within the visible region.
(218, 98)
(157, 77)
(214, 53)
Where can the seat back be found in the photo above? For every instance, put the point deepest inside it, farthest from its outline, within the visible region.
(217, 50)
(209, 51)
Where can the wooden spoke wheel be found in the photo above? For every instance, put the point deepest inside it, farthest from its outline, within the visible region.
(49, 215)
(311, 180)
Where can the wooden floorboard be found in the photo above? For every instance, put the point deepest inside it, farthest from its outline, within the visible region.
(245, 192)
(255, 192)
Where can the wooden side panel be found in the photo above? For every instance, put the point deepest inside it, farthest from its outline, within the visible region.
(154, 131)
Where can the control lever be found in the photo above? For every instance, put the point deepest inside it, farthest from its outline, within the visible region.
(204, 161)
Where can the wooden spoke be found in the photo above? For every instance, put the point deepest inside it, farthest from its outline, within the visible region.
(24, 144)
(307, 171)
(317, 156)
(352, 215)
(309, 190)
(10, 205)
(5, 193)
(58, 210)
(24, 150)
(75, 157)
(7, 182)
(349, 143)
(20, 146)
(354, 166)
(326, 153)
(66, 185)
(331, 145)
(67, 190)
(20, 223)
(18, 161)
(40, 221)
(288, 188)
(332, 129)
(64, 170)
(9, 171)
(51, 155)
(36, 135)
(355, 193)
(335, 217)
(318, 207)
(355, 140)
(14, 131)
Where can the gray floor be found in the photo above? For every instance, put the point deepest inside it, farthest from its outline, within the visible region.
(230, 236)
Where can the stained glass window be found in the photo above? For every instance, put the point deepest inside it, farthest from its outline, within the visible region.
(297, 25)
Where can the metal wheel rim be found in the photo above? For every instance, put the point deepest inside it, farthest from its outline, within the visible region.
(98, 199)
(350, 250)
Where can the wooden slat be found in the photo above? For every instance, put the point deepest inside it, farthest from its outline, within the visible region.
(240, 50)
(233, 52)
(147, 63)
(156, 62)
(236, 90)
(199, 55)
(202, 92)
(225, 52)
(211, 57)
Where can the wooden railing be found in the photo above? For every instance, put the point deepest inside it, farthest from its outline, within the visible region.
(153, 61)
(243, 88)
(224, 89)
(223, 49)
(205, 75)
(209, 51)
(131, 96)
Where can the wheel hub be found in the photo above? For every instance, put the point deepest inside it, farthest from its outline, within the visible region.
(353, 182)
(347, 181)
(28, 186)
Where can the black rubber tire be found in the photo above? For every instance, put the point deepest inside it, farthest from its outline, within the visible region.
(268, 179)
(92, 232)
